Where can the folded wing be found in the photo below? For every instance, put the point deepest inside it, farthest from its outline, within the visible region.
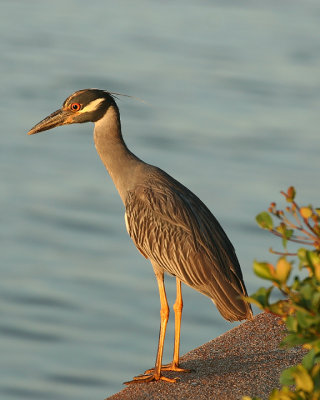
(173, 228)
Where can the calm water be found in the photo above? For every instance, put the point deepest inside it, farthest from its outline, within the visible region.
(233, 99)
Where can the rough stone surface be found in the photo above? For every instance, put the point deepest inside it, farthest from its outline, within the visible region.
(246, 360)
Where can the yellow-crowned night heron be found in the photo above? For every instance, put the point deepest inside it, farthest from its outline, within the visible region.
(168, 224)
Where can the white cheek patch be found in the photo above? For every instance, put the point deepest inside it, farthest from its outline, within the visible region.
(92, 106)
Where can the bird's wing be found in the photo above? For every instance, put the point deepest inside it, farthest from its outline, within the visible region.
(172, 227)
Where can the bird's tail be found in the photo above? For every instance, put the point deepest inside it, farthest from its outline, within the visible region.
(231, 304)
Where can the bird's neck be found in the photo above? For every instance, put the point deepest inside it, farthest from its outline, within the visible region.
(117, 158)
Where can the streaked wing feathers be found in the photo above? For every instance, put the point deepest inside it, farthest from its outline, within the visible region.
(172, 227)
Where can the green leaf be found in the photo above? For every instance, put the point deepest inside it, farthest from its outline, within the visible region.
(292, 323)
(253, 300)
(261, 296)
(293, 340)
(286, 236)
(316, 347)
(302, 255)
(306, 291)
(313, 261)
(264, 220)
(263, 270)
(315, 374)
(283, 394)
(286, 377)
(295, 284)
(308, 360)
(303, 379)
(304, 320)
(285, 232)
(316, 301)
(275, 395)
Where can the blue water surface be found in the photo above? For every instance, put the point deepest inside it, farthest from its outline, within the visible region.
(232, 99)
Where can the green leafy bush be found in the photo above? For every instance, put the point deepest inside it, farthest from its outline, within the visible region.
(299, 303)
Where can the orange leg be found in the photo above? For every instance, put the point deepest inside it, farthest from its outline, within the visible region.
(177, 307)
(155, 374)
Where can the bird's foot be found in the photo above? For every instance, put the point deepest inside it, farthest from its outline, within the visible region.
(169, 367)
(145, 378)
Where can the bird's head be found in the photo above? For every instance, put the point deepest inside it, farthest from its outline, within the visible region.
(86, 105)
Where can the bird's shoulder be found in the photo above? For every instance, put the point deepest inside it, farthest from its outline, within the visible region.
(160, 197)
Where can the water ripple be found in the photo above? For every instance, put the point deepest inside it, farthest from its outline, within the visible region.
(15, 332)
(39, 301)
(77, 380)
(26, 393)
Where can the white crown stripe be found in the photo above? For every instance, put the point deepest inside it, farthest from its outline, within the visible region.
(92, 106)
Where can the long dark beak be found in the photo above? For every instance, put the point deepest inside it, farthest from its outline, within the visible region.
(59, 117)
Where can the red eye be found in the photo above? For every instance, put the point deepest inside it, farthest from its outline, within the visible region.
(75, 106)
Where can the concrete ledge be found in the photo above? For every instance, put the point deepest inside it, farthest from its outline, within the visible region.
(243, 361)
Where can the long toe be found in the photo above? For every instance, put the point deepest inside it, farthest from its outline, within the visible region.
(169, 367)
(145, 378)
